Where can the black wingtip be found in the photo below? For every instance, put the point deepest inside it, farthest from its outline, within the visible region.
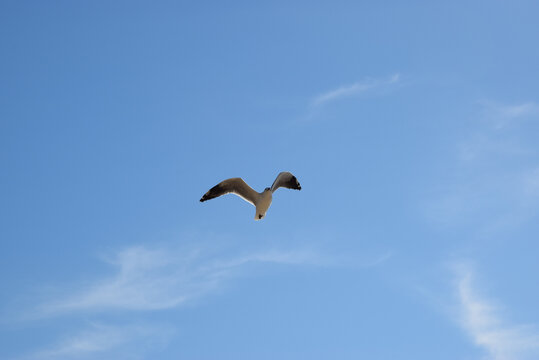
(298, 186)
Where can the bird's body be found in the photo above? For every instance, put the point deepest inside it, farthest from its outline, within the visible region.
(261, 201)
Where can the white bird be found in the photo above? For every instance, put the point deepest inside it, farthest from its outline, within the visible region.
(261, 201)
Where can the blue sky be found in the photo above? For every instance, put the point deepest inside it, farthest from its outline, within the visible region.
(412, 127)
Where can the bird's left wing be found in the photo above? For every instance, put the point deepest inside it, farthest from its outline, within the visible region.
(286, 180)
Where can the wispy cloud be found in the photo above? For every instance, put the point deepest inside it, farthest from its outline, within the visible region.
(530, 184)
(145, 279)
(378, 260)
(482, 321)
(98, 340)
(154, 279)
(354, 89)
(501, 115)
(494, 180)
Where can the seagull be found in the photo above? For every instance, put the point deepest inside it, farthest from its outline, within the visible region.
(261, 201)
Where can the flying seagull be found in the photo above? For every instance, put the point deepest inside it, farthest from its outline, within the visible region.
(261, 201)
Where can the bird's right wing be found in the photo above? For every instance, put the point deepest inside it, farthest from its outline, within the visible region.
(235, 186)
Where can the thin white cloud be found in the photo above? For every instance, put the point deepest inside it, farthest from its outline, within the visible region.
(378, 260)
(99, 341)
(502, 115)
(481, 320)
(148, 279)
(515, 111)
(530, 183)
(354, 89)
(493, 185)
(154, 279)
